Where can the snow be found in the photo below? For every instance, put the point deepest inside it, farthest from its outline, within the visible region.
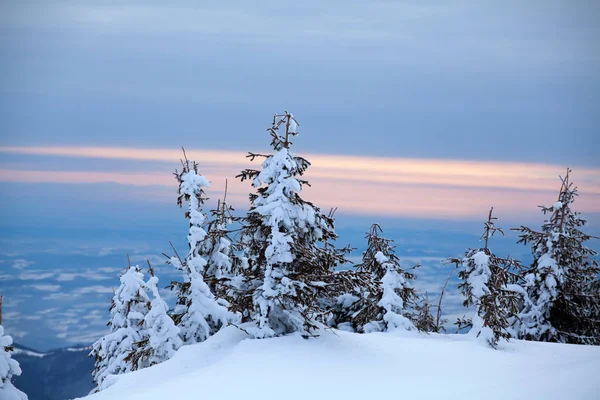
(381, 258)
(344, 365)
(75, 349)
(128, 309)
(159, 328)
(286, 222)
(20, 351)
(391, 302)
(479, 274)
(30, 353)
(9, 368)
(293, 125)
(202, 313)
(346, 300)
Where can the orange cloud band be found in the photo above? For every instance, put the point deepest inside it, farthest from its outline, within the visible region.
(383, 169)
(361, 185)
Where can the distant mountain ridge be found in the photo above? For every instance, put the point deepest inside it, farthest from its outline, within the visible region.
(54, 375)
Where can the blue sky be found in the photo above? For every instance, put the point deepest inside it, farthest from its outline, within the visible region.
(419, 115)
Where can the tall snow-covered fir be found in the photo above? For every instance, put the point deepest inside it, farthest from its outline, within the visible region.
(198, 313)
(128, 309)
(9, 368)
(282, 233)
(560, 305)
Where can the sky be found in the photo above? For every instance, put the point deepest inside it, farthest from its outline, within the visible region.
(419, 115)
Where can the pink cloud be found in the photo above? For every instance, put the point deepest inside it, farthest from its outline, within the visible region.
(359, 185)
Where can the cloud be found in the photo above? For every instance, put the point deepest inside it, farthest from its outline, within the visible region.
(426, 188)
(35, 276)
(306, 21)
(155, 260)
(466, 35)
(88, 275)
(11, 315)
(21, 263)
(87, 337)
(45, 288)
(32, 317)
(94, 289)
(18, 334)
(61, 296)
(47, 311)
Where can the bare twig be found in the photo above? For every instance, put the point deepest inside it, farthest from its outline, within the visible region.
(176, 253)
(438, 317)
(150, 269)
(240, 328)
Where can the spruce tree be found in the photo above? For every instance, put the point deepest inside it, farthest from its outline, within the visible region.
(423, 318)
(394, 302)
(355, 297)
(219, 247)
(9, 367)
(488, 284)
(128, 309)
(198, 313)
(160, 336)
(283, 276)
(560, 305)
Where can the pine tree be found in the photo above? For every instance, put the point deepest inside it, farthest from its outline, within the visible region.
(343, 288)
(423, 318)
(9, 368)
(489, 285)
(377, 295)
(559, 306)
(198, 313)
(128, 309)
(160, 336)
(219, 250)
(393, 303)
(284, 276)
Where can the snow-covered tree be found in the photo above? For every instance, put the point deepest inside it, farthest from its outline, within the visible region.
(128, 309)
(397, 299)
(198, 313)
(558, 306)
(160, 336)
(423, 318)
(219, 250)
(489, 285)
(281, 233)
(351, 293)
(381, 297)
(9, 367)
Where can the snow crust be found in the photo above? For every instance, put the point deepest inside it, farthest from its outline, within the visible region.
(344, 365)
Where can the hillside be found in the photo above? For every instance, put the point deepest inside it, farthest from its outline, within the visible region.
(55, 375)
(353, 366)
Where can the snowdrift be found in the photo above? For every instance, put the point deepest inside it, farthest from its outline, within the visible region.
(343, 365)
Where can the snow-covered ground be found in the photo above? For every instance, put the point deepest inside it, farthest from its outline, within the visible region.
(343, 365)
